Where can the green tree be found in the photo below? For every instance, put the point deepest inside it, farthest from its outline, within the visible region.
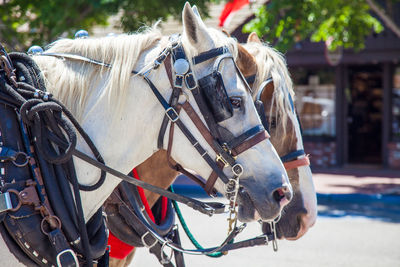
(27, 22)
(340, 23)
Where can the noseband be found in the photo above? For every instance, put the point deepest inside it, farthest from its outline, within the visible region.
(290, 160)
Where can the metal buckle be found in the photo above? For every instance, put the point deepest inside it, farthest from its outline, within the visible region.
(66, 251)
(178, 81)
(165, 260)
(144, 242)
(192, 84)
(5, 202)
(237, 169)
(222, 159)
(173, 117)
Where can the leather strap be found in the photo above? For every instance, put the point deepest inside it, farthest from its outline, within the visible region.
(66, 257)
(261, 136)
(305, 161)
(235, 151)
(212, 179)
(177, 166)
(172, 102)
(198, 123)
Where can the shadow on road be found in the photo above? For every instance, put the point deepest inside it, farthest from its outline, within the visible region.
(380, 207)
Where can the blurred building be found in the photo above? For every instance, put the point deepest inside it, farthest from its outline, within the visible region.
(348, 102)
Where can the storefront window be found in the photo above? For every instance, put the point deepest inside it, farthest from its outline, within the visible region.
(396, 105)
(315, 102)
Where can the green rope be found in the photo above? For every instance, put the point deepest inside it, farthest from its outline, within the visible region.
(187, 231)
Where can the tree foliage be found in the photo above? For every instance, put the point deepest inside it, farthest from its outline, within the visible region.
(144, 12)
(341, 23)
(27, 22)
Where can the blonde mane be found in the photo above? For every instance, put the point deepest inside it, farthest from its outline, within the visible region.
(271, 64)
(71, 81)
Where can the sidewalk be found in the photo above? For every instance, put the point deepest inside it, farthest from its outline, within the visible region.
(350, 180)
(363, 180)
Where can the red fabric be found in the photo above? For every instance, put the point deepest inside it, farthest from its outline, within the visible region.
(231, 6)
(120, 249)
(143, 197)
(164, 207)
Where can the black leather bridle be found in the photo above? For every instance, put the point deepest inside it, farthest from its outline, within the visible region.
(290, 160)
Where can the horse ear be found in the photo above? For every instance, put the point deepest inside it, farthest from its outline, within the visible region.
(196, 11)
(194, 27)
(226, 32)
(253, 38)
(246, 61)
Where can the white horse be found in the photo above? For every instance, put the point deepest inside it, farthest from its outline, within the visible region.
(301, 213)
(122, 116)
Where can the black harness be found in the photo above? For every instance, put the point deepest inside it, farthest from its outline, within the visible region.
(41, 215)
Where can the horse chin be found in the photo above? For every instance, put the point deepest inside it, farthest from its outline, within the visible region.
(247, 211)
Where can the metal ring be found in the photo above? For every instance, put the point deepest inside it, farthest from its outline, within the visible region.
(234, 186)
(163, 259)
(24, 162)
(18, 197)
(45, 219)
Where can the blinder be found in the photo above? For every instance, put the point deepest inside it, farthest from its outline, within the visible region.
(290, 160)
(214, 92)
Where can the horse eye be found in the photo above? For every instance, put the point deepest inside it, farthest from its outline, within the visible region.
(273, 123)
(236, 101)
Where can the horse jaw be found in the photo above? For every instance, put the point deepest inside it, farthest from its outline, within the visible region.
(307, 188)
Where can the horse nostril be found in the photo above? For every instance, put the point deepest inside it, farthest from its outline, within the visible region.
(282, 195)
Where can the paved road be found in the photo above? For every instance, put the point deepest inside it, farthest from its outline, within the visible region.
(340, 238)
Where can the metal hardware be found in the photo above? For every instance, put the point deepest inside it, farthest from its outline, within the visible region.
(18, 197)
(144, 242)
(67, 251)
(5, 202)
(181, 66)
(232, 220)
(174, 117)
(53, 222)
(231, 186)
(272, 225)
(178, 81)
(168, 259)
(222, 159)
(237, 169)
(190, 81)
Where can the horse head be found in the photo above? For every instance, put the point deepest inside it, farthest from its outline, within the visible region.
(277, 98)
(264, 188)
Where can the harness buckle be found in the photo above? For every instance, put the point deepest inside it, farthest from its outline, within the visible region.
(222, 160)
(172, 115)
(5, 202)
(190, 81)
(67, 251)
(144, 241)
(178, 81)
